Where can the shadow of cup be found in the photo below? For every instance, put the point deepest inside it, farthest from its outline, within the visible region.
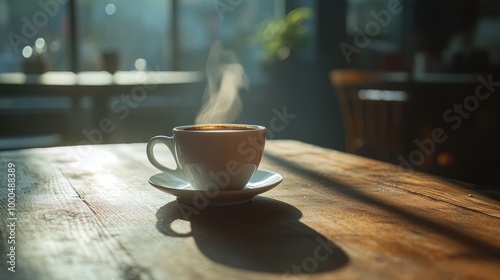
(263, 235)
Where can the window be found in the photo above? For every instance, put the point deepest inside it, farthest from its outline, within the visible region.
(128, 34)
(124, 34)
(373, 17)
(38, 31)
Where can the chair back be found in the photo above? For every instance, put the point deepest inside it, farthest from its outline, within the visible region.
(373, 110)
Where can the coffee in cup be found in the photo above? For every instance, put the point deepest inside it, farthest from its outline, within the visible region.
(213, 156)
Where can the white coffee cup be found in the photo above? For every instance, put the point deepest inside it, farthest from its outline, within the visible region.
(213, 156)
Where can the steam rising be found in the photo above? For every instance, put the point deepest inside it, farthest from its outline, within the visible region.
(225, 76)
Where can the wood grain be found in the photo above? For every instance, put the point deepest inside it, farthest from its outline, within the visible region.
(89, 213)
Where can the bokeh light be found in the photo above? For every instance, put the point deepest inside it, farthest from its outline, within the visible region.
(27, 51)
(110, 9)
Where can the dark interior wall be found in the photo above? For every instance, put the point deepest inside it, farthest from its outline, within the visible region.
(331, 19)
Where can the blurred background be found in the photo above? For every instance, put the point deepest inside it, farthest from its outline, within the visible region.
(413, 83)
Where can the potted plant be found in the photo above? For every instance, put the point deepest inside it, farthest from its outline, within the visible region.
(282, 38)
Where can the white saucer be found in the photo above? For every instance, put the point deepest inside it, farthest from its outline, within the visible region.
(261, 181)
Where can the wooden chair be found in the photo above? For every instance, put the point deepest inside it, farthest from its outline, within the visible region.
(373, 109)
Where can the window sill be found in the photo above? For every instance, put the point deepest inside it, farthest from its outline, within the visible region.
(101, 78)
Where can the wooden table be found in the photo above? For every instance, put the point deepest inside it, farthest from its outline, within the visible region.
(88, 213)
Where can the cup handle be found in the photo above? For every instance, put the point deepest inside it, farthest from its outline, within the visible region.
(169, 142)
